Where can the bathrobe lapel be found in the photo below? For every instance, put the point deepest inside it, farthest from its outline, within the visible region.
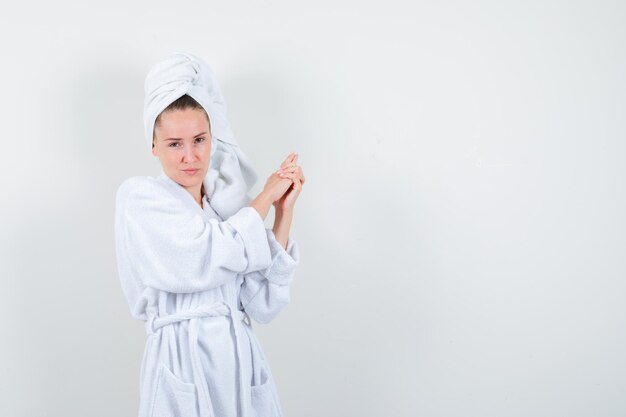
(179, 191)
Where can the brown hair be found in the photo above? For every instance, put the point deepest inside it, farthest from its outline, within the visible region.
(182, 103)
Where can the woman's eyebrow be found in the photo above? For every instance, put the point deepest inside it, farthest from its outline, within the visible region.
(199, 134)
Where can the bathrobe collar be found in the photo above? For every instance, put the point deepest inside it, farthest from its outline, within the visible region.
(206, 211)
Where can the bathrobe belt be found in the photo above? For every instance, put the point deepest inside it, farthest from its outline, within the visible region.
(194, 315)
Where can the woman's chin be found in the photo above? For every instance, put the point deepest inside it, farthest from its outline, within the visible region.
(189, 181)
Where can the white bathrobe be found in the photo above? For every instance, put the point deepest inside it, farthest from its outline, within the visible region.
(196, 279)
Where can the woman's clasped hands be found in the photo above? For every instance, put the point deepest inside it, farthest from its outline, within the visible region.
(281, 189)
(284, 185)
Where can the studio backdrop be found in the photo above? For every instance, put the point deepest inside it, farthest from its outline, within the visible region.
(462, 227)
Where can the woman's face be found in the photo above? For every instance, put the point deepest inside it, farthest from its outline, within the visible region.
(183, 145)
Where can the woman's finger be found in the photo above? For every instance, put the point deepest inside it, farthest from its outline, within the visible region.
(295, 170)
(298, 170)
(290, 159)
(297, 185)
(288, 168)
(289, 175)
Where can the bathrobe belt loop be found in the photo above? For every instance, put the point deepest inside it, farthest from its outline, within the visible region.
(218, 309)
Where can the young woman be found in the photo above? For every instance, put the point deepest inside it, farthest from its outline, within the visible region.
(194, 257)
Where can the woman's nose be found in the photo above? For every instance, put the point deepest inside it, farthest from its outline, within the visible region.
(189, 154)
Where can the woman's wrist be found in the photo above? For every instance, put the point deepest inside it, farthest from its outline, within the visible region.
(262, 204)
(282, 225)
(280, 212)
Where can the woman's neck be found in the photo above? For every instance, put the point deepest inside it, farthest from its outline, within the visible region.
(196, 193)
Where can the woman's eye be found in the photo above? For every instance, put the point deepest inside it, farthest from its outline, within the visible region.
(171, 145)
(201, 139)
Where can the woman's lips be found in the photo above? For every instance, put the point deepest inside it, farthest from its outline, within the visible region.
(191, 171)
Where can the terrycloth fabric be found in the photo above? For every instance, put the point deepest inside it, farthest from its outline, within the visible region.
(195, 278)
(231, 175)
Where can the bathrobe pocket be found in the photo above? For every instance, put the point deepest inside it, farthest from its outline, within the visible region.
(262, 400)
(173, 397)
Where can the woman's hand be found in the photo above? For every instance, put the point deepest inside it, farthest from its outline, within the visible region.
(289, 170)
(275, 187)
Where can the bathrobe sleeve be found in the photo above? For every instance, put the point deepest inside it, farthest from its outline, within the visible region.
(173, 249)
(265, 293)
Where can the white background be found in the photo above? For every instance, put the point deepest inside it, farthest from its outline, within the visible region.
(462, 227)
